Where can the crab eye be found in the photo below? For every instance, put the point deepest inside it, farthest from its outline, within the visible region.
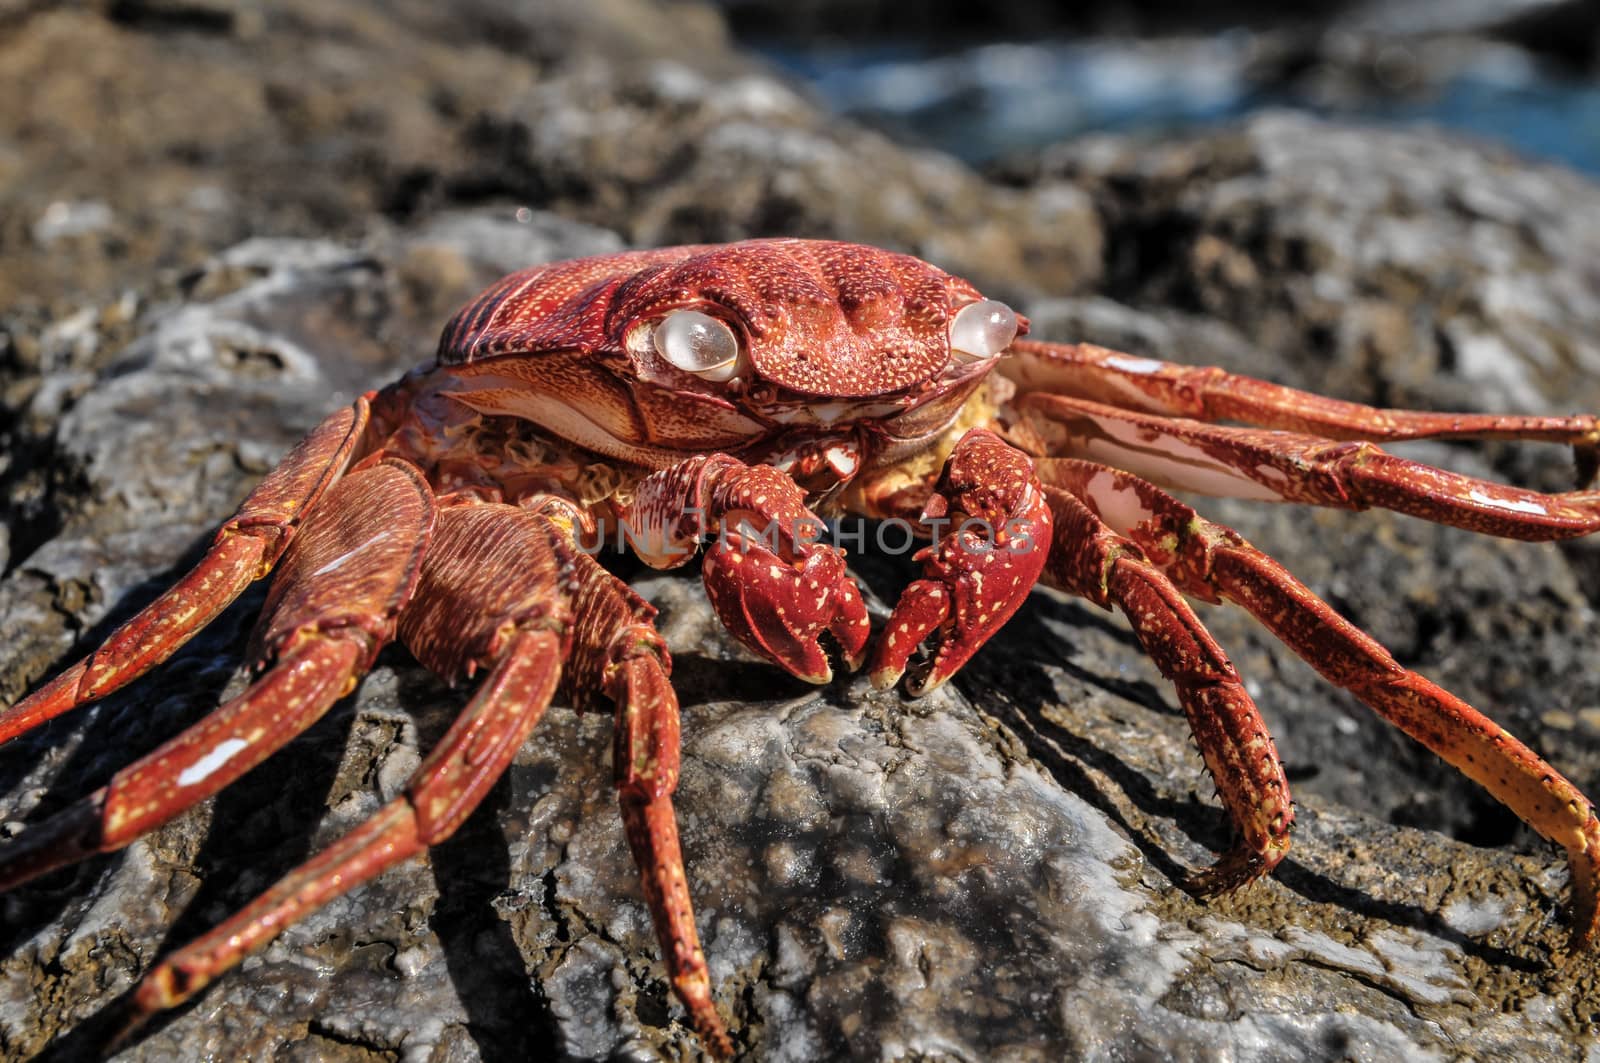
(982, 330)
(698, 343)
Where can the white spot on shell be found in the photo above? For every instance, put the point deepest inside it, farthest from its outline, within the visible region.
(1134, 365)
(340, 561)
(1515, 505)
(207, 765)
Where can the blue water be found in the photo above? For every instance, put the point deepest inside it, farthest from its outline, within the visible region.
(989, 100)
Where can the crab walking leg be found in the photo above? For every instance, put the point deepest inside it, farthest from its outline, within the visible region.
(449, 784)
(1207, 393)
(517, 569)
(1288, 467)
(1093, 560)
(976, 576)
(333, 607)
(245, 549)
(1214, 562)
(647, 773)
(618, 655)
(775, 588)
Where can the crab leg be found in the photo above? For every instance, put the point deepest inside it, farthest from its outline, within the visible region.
(774, 586)
(1097, 562)
(454, 779)
(510, 558)
(976, 576)
(545, 594)
(617, 651)
(1214, 562)
(1288, 467)
(1207, 393)
(245, 549)
(332, 608)
(647, 772)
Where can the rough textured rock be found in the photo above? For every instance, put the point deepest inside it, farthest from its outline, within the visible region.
(688, 158)
(181, 128)
(1394, 267)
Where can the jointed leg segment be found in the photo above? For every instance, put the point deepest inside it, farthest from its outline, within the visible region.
(647, 772)
(1284, 466)
(1214, 563)
(245, 549)
(1091, 559)
(550, 603)
(448, 785)
(1207, 393)
(333, 607)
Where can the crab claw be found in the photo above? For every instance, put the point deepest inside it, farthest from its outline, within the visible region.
(976, 576)
(779, 607)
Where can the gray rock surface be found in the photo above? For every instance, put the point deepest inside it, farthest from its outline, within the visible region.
(994, 872)
(1390, 266)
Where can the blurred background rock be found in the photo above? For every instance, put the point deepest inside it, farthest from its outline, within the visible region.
(217, 220)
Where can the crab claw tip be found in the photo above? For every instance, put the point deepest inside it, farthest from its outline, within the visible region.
(927, 681)
(819, 678)
(884, 678)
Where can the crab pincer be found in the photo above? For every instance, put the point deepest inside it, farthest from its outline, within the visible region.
(975, 577)
(773, 585)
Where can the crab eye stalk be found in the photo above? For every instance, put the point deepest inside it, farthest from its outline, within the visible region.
(981, 330)
(698, 343)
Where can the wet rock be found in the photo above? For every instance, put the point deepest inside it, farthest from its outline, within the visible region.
(993, 872)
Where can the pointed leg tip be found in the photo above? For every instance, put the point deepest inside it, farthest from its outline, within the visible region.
(164, 987)
(1236, 869)
(804, 661)
(1581, 938)
(922, 685)
(713, 1034)
(706, 1022)
(1583, 905)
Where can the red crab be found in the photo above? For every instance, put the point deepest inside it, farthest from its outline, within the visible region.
(734, 394)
